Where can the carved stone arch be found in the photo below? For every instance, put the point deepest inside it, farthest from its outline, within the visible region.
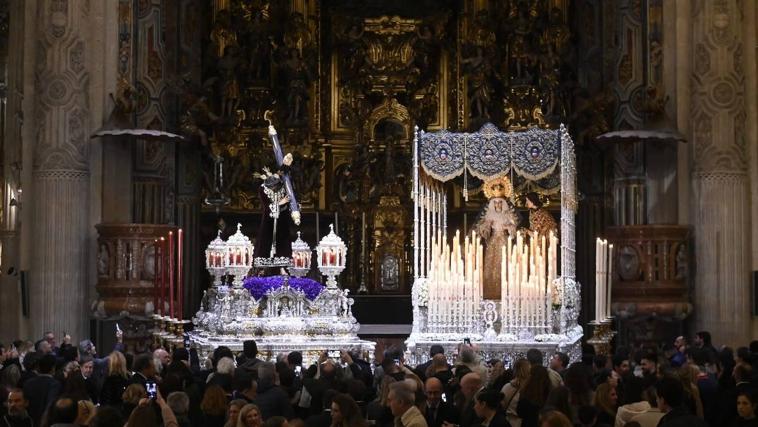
(389, 110)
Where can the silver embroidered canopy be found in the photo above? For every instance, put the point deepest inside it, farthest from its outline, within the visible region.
(490, 153)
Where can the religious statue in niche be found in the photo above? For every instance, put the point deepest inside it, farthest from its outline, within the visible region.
(230, 87)
(297, 35)
(103, 261)
(222, 34)
(298, 76)
(478, 68)
(540, 220)
(519, 47)
(390, 273)
(498, 221)
(476, 62)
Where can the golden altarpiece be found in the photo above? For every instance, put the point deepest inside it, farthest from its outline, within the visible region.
(347, 81)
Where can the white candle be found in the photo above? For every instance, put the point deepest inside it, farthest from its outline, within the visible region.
(601, 296)
(610, 280)
(598, 314)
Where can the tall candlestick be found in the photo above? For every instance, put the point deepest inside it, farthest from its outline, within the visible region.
(180, 285)
(597, 280)
(610, 280)
(363, 249)
(171, 274)
(162, 267)
(156, 277)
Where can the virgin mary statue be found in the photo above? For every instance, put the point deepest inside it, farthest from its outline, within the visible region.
(498, 220)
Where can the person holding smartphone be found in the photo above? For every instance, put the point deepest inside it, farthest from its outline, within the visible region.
(146, 406)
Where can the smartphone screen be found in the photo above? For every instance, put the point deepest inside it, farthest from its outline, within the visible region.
(152, 390)
(334, 354)
(298, 370)
(467, 341)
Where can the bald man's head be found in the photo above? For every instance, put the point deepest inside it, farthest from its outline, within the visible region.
(433, 387)
(470, 384)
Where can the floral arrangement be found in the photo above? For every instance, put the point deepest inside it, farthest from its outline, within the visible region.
(420, 293)
(260, 286)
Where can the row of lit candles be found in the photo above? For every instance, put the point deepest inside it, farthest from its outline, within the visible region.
(527, 274)
(239, 257)
(455, 283)
(167, 279)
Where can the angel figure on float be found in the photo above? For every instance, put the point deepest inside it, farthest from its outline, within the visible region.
(497, 221)
(540, 220)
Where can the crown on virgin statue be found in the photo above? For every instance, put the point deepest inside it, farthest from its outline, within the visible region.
(498, 187)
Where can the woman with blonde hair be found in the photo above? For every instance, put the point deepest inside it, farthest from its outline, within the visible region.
(116, 381)
(131, 398)
(250, 416)
(379, 411)
(521, 369)
(606, 402)
(213, 406)
(233, 412)
(688, 377)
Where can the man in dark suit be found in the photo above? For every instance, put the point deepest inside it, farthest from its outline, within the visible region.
(144, 369)
(323, 419)
(42, 390)
(437, 409)
(671, 402)
(421, 369)
(471, 384)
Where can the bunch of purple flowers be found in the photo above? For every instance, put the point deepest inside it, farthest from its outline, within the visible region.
(259, 286)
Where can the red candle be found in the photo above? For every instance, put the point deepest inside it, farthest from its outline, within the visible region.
(155, 276)
(332, 258)
(179, 274)
(323, 258)
(171, 274)
(162, 266)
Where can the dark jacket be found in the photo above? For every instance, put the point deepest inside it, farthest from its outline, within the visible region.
(250, 365)
(681, 417)
(323, 419)
(381, 415)
(499, 420)
(741, 422)
(273, 400)
(445, 412)
(528, 411)
(468, 416)
(41, 391)
(24, 421)
(214, 420)
(112, 390)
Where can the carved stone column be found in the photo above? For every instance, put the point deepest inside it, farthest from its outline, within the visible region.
(720, 202)
(60, 190)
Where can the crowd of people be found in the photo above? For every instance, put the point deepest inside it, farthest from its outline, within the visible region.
(44, 384)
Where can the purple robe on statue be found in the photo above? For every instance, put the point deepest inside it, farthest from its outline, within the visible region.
(266, 230)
